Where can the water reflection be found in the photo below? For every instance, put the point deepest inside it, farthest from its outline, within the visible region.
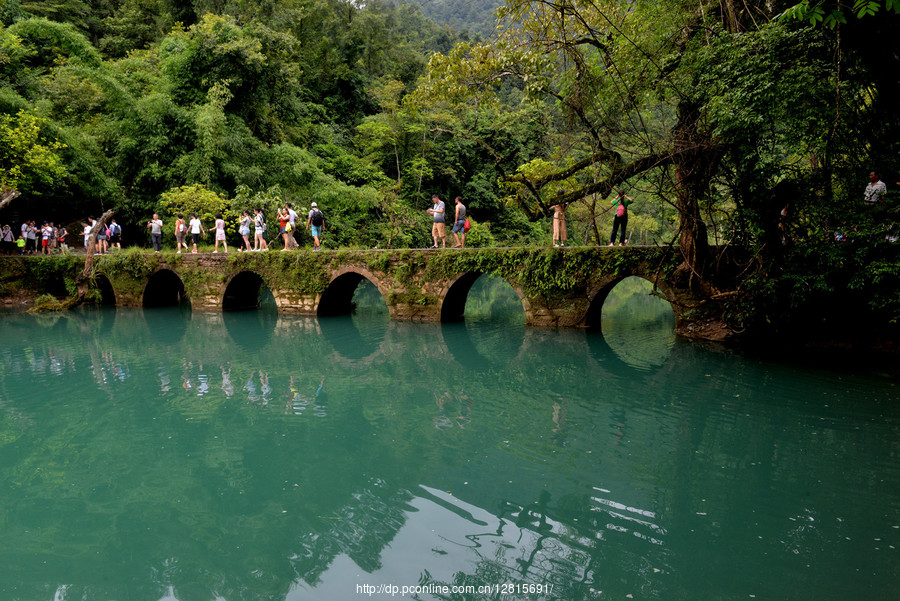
(638, 327)
(167, 325)
(276, 472)
(493, 331)
(252, 330)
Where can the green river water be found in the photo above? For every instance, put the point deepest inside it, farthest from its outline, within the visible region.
(165, 455)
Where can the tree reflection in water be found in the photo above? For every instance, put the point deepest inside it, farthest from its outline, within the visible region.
(156, 458)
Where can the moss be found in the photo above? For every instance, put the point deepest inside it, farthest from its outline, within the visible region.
(539, 272)
(300, 272)
(411, 297)
(133, 263)
(48, 302)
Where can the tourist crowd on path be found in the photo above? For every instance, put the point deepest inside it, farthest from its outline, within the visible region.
(286, 216)
(32, 239)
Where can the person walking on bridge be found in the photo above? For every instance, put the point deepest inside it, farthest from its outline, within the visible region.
(196, 229)
(315, 222)
(438, 228)
(621, 219)
(459, 223)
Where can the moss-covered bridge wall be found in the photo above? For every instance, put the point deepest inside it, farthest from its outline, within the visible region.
(558, 287)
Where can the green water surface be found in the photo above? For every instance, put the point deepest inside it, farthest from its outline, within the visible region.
(163, 454)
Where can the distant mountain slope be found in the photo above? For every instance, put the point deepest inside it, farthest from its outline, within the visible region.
(475, 16)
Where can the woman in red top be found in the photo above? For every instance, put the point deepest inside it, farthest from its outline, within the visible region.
(283, 218)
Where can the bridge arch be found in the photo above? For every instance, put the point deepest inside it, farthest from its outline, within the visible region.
(337, 299)
(105, 289)
(456, 293)
(243, 291)
(598, 294)
(164, 289)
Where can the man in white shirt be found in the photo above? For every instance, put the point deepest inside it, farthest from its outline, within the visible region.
(438, 228)
(875, 190)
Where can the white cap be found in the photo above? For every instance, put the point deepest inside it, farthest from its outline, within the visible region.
(314, 205)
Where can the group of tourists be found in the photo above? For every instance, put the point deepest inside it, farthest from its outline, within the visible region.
(34, 239)
(620, 221)
(287, 218)
(47, 238)
(109, 235)
(461, 224)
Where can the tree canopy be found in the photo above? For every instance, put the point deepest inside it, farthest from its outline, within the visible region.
(746, 125)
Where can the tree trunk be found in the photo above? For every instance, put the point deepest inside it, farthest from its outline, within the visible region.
(696, 158)
(7, 195)
(85, 276)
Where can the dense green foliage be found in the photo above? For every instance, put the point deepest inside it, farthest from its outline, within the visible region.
(732, 124)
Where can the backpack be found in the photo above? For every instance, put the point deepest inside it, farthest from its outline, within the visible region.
(317, 218)
(620, 210)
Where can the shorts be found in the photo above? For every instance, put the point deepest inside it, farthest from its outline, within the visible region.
(179, 237)
(45, 242)
(439, 230)
(115, 239)
(316, 230)
(459, 226)
(244, 232)
(195, 238)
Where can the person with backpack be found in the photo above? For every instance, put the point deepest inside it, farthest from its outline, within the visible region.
(180, 231)
(102, 235)
(244, 231)
(115, 234)
(315, 223)
(621, 219)
(61, 237)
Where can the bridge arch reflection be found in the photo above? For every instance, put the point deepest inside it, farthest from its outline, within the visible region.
(598, 297)
(456, 295)
(631, 325)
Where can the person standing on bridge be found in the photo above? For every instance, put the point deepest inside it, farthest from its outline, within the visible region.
(621, 219)
(560, 233)
(290, 242)
(180, 230)
(244, 230)
(259, 230)
(438, 229)
(156, 226)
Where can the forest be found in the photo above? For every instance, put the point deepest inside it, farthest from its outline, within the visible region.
(744, 130)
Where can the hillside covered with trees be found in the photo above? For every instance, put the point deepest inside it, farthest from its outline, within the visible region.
(745, 131)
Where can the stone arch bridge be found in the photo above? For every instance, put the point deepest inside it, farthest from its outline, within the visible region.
(557, 287)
